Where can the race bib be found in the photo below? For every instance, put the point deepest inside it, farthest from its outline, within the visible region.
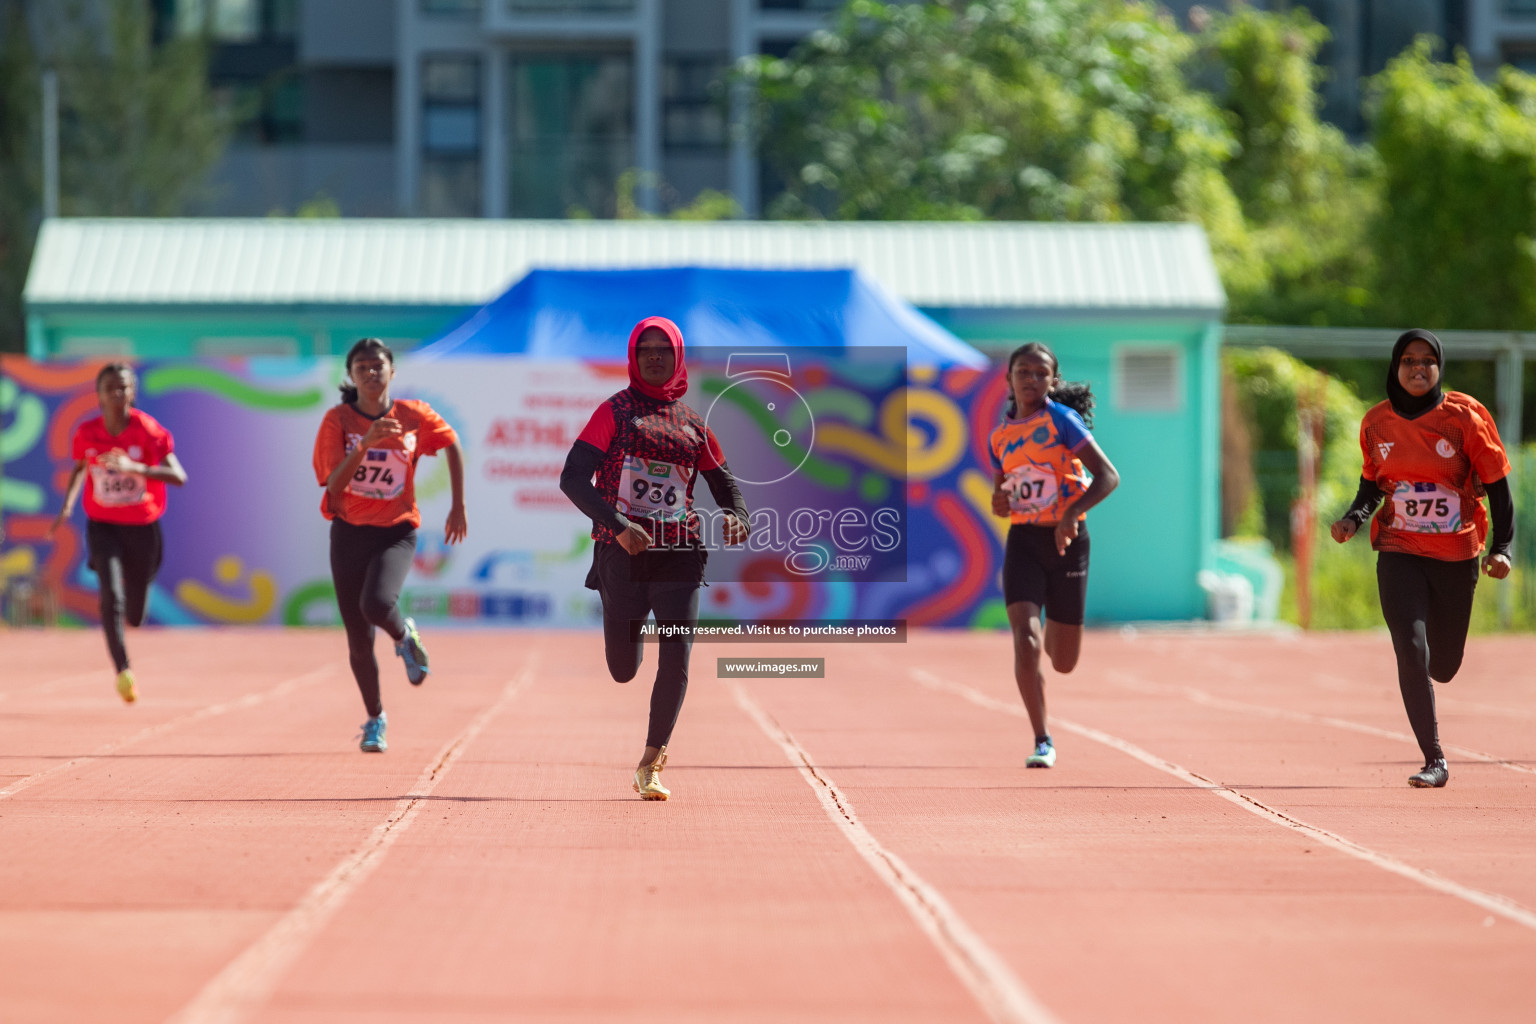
(653, 490)
(381, 474)
(1030, 489)
(113, 489)
(1419, 507)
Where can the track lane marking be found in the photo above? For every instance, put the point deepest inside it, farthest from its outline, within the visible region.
(57, 683)
(250, 700)
(1003, 997)
(1210, 700)
(1492, 902)
(247, 981)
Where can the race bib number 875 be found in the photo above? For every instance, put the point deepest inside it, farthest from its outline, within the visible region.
(1420, 507)
(655, 490)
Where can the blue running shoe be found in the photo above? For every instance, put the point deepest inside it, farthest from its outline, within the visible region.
(413, 654)
(1043, 757)
(373, 735)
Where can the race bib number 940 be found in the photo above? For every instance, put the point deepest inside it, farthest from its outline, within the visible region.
(113, 489)
(381, 474)
(1030, 489)
(655, 490)
(1419, 507)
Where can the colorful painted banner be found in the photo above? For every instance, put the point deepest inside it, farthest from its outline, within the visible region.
(887, 464)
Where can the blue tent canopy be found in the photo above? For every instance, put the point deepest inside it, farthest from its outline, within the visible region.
(588, 314)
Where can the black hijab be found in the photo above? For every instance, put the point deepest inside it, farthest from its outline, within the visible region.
(1404, 404)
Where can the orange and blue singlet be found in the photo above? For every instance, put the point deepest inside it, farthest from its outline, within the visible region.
(1037, 456)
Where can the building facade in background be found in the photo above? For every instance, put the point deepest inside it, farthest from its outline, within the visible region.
(485, 108)
(539, 108)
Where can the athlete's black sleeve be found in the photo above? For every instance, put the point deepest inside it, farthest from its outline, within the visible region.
(1502, 506)
(722, 485)
(576, 482)
(1366, 500)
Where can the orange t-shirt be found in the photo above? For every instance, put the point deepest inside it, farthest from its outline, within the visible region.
(1431, 470)
(383, 490)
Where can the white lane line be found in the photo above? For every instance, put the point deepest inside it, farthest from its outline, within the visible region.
(246, 982)
(250, 700)
(1210, 700)
(981, 970)
(1492, 902)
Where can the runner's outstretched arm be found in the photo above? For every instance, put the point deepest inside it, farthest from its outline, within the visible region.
(576, 482)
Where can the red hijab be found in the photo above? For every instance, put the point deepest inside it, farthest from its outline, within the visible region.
(677, 384)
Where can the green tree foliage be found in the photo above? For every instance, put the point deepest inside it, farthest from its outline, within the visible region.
(1309, 195)
(1081, 110)
(20, 166)
(1015, 109)
(1457, 230)
(138, 128)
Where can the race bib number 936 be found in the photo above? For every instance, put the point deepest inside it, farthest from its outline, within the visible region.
(655, 490)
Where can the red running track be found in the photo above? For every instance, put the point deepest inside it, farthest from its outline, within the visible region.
(1227, 836)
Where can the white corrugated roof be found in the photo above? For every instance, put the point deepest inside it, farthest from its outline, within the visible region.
(468, 262)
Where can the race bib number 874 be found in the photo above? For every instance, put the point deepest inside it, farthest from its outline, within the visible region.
(381, 474)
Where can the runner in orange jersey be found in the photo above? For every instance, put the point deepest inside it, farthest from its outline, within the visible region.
(1431, 454)
(1039, 453)
(365, 458)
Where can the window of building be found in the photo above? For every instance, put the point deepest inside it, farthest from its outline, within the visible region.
(450, 135)
(450, 6)
(693, 104)
(1521, 57)
(800, 5)
(1147, 379)
(266, 112)
(570, 132)
(238, 21)
(564, 6)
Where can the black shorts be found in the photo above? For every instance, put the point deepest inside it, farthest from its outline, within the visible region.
(1034, 572)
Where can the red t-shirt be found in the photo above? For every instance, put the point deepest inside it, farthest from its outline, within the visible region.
(113, 497)
(383, 490)
(1430, 470)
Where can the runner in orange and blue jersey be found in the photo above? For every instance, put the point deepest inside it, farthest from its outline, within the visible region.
(1047, 473)
(1432, 455)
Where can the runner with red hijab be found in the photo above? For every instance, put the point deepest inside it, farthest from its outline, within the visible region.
(125, 458)
(646, 449)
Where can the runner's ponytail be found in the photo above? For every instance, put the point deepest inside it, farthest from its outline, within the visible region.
(1075, 395)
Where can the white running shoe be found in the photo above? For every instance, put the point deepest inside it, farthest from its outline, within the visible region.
(1043, 757)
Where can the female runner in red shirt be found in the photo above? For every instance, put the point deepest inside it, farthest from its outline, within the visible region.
(125, 458)
(1431, 454)
(646, 450)
(365, 458)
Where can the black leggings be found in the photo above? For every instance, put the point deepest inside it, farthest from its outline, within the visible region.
(369, 565)
(1428, 606)
(632, 588)
(126, 559)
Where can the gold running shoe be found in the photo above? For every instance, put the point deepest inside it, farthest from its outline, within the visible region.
(648, 779)
(125, 687)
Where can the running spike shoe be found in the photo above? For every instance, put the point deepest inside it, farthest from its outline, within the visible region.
(1043, 757)
(125, 687)
(413, 654)
(373, 735)
(648, 779)
(1431, 776)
